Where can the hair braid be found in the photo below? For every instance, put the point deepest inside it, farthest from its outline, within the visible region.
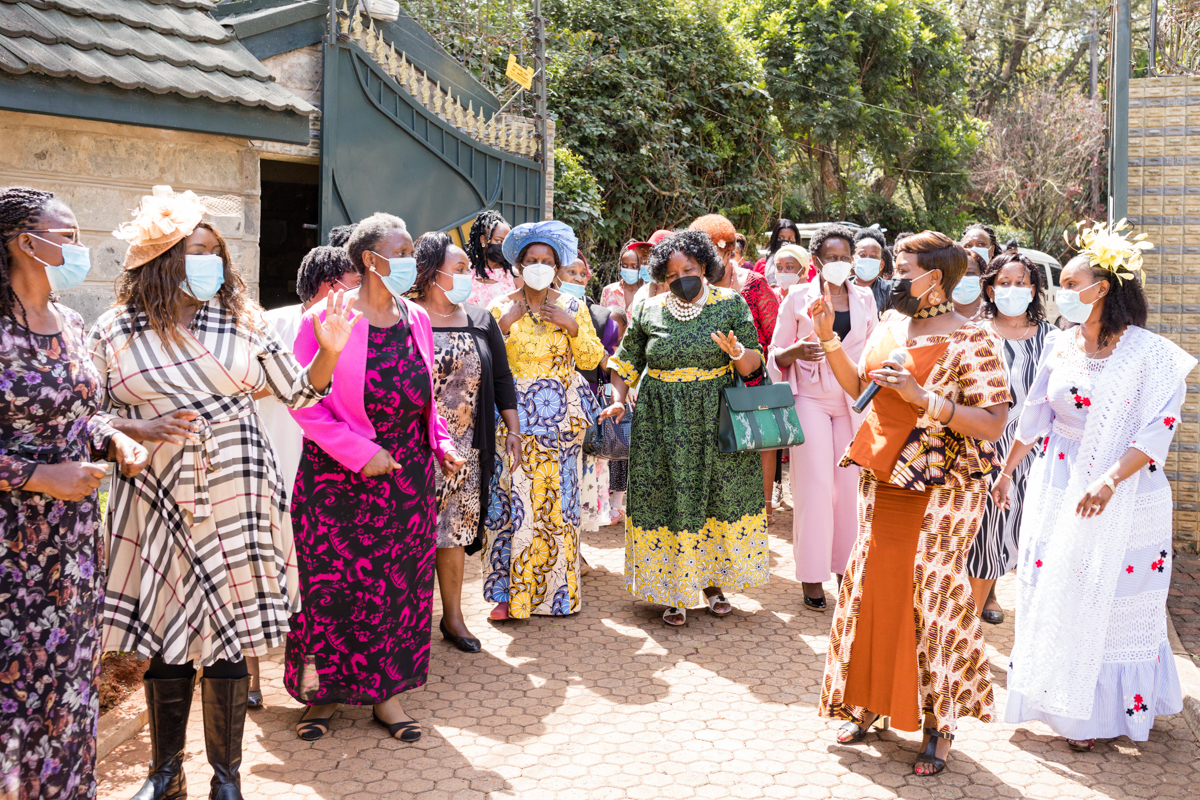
(483, 225)
(20, 206)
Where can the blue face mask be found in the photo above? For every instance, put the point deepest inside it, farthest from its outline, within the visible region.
(983, 253)
(402, 276)
(77, 261)
(205, 277)
(574, 289)
(646, 274)
(1071, 307)
(463, 284)
(1013, 300)
(630, 276)
(866, 269)
(967, 291)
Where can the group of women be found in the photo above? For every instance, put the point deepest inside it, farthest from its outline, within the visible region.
(441, 395)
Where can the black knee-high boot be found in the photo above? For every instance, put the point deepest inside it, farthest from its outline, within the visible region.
(224, 720)
(168, 701)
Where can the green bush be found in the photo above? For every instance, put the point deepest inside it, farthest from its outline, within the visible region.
(577, 199)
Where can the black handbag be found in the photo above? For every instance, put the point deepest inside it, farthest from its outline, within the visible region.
(609, 439)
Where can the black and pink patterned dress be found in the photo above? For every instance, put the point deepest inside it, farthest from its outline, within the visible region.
(366, 547)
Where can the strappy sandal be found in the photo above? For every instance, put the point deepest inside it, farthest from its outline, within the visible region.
(409, 730)
(1082, 745)
(855, 733)
(712, 600)
(314, 728)
(675, 612)
(929, 754)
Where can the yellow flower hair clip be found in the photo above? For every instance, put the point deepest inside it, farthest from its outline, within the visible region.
(1108, 247)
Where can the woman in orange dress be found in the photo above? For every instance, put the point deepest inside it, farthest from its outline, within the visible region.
(906, 640)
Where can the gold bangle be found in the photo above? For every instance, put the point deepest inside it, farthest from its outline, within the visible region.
(830, 345)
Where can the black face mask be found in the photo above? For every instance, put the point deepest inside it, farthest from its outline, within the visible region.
(903, 300)
(495, 254)
(687, 288)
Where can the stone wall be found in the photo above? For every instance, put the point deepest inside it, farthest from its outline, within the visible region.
(101, 170)
(1164, 202)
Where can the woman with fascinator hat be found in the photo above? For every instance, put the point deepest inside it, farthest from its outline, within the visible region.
(1091, 657)
(200, 559)
(531, 550)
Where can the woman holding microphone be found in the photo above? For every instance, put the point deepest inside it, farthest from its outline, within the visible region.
(906, 641)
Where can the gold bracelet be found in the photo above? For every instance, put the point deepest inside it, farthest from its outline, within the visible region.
(832, 344)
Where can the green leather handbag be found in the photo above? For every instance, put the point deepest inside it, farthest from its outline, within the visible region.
(758, 417)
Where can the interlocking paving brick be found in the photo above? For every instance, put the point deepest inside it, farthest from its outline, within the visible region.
(612, 705)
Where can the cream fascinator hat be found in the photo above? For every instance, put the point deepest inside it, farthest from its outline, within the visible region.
(163, 218)
(1110, 248)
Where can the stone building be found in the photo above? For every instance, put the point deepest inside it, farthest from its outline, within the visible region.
(102, 99)
(1164, 202)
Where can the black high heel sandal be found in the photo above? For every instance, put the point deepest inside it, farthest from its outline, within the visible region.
(929, 754)
(856, 732)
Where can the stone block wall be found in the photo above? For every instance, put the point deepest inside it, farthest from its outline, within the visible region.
(1164, 202)
(101, 170)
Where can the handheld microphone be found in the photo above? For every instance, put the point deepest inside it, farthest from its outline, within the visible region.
(898, 356)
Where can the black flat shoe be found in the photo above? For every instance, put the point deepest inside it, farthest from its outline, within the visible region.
(815, 603)
(992, 616)
(409, 729)
(467, 645)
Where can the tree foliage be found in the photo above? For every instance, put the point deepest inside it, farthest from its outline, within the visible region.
(1036, 161)
(871, 93)
(577, 197)
(666, 107)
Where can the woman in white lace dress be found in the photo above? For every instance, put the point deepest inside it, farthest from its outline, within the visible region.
(1091, 657)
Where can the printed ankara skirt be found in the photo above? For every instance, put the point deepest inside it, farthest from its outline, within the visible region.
(696, 516)
(906, 638)
(531, 553)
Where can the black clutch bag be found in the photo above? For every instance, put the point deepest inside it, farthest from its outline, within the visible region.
(609, 439)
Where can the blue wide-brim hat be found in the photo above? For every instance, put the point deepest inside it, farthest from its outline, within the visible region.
(551, 232)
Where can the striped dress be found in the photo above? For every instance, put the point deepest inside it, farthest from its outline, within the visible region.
(994, 551)
(200, 557)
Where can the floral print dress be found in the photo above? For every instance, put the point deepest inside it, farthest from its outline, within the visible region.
(456, 386)
(366, 546)
(696, 516)
(51, 575)
(531, 552)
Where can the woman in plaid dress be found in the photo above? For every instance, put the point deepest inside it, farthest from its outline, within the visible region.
(200, 558)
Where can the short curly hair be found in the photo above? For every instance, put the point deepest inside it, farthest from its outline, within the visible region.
(1036, 312)
(719, 229)
(321, 265)
(694, 244)
(827, 232)
(875, 235)
(340, 235)
(368, 233)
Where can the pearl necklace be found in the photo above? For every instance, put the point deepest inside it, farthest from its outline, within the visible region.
(685, 311)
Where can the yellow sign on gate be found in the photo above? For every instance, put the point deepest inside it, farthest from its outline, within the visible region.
(519, 74)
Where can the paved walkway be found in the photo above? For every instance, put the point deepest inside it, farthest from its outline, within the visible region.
(1184, 600)
(611, 704)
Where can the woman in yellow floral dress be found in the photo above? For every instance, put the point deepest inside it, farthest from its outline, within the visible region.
(531, 555)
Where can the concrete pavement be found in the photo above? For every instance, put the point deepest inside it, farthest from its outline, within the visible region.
(611, 704)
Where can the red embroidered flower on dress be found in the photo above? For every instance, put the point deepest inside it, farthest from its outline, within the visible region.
(1169, 422)
(1062, 456)
(1038, 563)
(1139, 704)
(1129, 569)
(1157, 565)
(1080, 401)
(1153, 466)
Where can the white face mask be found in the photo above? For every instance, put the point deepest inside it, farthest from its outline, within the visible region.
(983, 253)
(786, 279)
(836, 271)
(538, 276)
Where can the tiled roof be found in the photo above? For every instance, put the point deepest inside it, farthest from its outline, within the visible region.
(162, 46)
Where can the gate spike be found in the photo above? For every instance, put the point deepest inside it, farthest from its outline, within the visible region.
(369, 41)
(356, 27)
(344, 18)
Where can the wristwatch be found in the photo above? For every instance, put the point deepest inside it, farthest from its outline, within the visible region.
(1107, 480)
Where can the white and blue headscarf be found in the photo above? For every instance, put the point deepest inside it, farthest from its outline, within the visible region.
(557, 235)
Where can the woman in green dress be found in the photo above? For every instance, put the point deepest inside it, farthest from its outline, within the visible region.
(697, 519)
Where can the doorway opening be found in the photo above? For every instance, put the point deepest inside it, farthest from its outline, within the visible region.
(290, 201)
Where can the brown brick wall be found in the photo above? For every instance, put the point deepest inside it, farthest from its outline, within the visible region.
(1164, 202)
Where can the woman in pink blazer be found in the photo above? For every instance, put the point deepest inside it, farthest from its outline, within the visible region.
(824, 495)
(363, 510)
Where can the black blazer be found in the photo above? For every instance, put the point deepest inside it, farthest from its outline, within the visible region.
(496, 391)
